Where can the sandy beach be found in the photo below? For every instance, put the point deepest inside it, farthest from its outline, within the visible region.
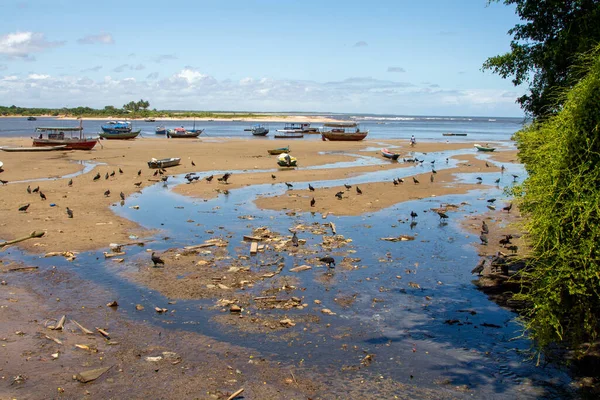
(33, 299)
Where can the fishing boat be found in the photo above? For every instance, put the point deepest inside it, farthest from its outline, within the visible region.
(182, 133)
(288, 135)
(161, 130)
(164, 163)
(35, 149)
(454, 134)
(258, 130)
(388, 154)
(149, 120)
(117, 127)
(285, 160)
(120, 135)
(294, 127)
(55, 136)
(279, 150)
(343, 131)
(31, 119)
(483, 148)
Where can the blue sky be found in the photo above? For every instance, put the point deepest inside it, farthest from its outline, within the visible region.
(383, 57)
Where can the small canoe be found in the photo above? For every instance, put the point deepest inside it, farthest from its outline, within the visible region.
(44, 148)
(164, 163)
(388, 154)
(288, 135)
(183, 134)
(120, 135)
(279, 150)
(483, 148)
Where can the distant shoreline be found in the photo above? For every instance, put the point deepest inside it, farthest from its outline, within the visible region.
(266, 118)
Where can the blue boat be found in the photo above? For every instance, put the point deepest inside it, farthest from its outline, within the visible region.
(117, 127)
(161, 130)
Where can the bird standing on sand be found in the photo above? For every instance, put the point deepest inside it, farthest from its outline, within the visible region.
(24, 208)
(70, 183)
(28, 189)
(193, 163)
(122, 196)
(112, 173)
(139, 172)
(69, 212)
(107, 193)
(312, 189)
(3, 181)
(507, 208)
(273, 176)
(42, 196)
(484, 239)
(164, 178)
(328, 260)
(209, 178)
(224, 177)
(431, 178)
(37, 189)
(155, 173)
(479, 267)
(347, 186)
(294, 240)
(415, 180)
(484, 228)
(97, 176)
(487, 165)
(433, 171)
(157, 260)
(120, 171)
(395, 182)
(137, 184)
(358, 191)
(106, 176)
(339, 195)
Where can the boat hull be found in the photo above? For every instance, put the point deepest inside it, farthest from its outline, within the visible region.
(388, 154)
(164, 163)
(340, 136)
(484, 148)
(295, 135)
(119, 136)
(186, 135)
(70, 144)
(34, 149)
(282, 150)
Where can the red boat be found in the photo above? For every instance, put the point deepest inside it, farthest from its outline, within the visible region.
(55, 136)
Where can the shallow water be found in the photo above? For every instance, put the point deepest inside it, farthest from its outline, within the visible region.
(402, 324)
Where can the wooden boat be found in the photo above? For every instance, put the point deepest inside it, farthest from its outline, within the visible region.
(55, 136)
(181, 133)
(294, 127)
(149, 120)
(343, 131)
(120, 136)
(388, 154)
(117, 127)
(288, 135)
(164, 163)
(454, 134)
(259, 130)
(285, 160)
(44, 148)
(279, 150)
(160, 130)
(483, 148)
(31, 119)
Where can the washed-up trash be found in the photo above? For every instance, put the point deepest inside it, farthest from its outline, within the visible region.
(91, 375)
(401, 238)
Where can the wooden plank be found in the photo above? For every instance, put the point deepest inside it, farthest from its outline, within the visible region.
(253, 247)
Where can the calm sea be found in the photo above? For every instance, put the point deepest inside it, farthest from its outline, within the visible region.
(379, 126)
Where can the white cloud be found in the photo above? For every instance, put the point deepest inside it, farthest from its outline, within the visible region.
(22, 44)
(191, 75)
(37, 77)
(102, 38)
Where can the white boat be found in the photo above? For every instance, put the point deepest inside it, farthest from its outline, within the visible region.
(295, 127)
(259, 130)
(164, 163)
(34, 148)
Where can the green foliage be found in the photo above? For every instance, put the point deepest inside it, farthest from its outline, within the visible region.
(545, 47)
(562, 201)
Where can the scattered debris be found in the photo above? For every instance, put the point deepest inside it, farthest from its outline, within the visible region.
(84, 330)
(91, 375)
(401, 238)
(32, 235)
(235, 394)
(300, 268)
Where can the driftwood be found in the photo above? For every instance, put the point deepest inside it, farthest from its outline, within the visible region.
(83, 329)
(57, 341)
(103, 333)
(332, 225)
(32, 235)
(199, 246)
(22, 269)
(235, 394)
(252, 238)
(265, 298)
(253, 247)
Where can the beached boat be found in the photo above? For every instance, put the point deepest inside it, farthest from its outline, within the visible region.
(149, 120)
(258, 130)
(483, 148)
(288, 135)
(45, 148)
(119, 135)
(293, 127)
(182, 133)
(279, 150)
(117, 127)
(31, 119)
(55, 136)
(161, 130)
(388, 154)
(343, 131)
(285, 160)
(454, 134)
(164, 163)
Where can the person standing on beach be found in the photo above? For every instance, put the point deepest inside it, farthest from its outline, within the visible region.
(413, 141)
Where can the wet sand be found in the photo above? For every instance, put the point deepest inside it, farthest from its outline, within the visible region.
(212, 369)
